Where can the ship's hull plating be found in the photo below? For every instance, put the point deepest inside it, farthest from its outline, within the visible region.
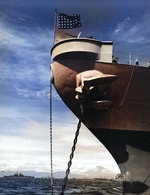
(130, 94)
(123, 128)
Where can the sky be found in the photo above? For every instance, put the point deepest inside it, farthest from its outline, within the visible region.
(26, 38)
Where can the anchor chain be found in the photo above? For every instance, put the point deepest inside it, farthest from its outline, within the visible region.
(51, 141)
(71, 157)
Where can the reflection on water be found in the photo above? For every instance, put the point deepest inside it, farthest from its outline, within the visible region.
(41, 186)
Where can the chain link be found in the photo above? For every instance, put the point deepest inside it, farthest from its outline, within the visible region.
(51, 141)
(71, 157)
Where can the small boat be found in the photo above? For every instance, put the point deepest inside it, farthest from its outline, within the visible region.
(111, 99)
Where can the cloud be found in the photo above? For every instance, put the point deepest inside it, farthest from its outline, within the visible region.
(25, 59)
(30, 148)
(28, 144)
(133, 30)
(122, 25)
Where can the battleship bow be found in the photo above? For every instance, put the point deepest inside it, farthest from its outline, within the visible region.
(114, 98)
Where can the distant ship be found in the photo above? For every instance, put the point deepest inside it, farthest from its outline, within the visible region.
(111, 99)
(18, 175)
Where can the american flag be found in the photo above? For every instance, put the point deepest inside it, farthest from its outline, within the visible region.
(68, 21)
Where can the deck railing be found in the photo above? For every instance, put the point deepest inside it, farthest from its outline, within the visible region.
(130, 58)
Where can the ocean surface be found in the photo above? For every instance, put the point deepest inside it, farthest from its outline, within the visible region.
(41, 186)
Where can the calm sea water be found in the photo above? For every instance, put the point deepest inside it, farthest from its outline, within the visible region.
(41, 186)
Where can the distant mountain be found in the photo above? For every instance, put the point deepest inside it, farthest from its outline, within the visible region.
(97, 172)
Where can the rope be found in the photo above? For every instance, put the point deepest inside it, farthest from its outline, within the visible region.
(126, 88)
(71, 157)
(51, 147)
